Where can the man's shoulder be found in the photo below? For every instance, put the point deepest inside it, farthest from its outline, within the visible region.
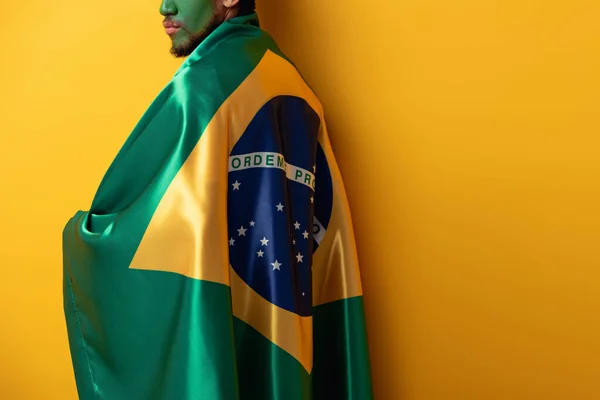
(236, 56)
(226, 66)
(250, 67)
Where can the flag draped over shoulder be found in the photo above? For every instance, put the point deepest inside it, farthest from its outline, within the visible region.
(217, 260)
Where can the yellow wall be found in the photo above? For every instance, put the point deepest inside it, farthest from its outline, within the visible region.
(467, 133)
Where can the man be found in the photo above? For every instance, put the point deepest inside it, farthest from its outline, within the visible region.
(217, 260)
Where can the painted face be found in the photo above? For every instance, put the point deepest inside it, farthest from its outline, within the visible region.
(185, 21)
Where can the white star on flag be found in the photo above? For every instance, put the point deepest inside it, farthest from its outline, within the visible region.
(242, 231)
(305, 234)
(294, 241)
(236, 185)
(264, 241)
(299, 257)
(276, 265)
(297, 225)
(260, 253)
(231, 241)
(279, 207)
(312, 199)
(252, 223)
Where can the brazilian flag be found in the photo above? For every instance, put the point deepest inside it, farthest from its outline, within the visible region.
(217, 260)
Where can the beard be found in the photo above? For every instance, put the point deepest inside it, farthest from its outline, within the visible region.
(194, 40)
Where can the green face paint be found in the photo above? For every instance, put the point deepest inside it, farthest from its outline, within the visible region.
(185, 21)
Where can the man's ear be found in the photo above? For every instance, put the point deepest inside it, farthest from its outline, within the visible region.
(230, 3)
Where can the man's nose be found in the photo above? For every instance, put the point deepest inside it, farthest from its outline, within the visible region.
(168, 8)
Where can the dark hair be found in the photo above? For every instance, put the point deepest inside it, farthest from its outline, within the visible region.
(247, 6)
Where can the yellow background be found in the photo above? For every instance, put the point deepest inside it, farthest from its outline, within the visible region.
(467, 133)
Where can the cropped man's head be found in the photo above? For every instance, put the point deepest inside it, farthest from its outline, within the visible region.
(189, 22)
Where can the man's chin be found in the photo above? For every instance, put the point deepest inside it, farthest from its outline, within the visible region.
(179, 52)
(183, 47)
